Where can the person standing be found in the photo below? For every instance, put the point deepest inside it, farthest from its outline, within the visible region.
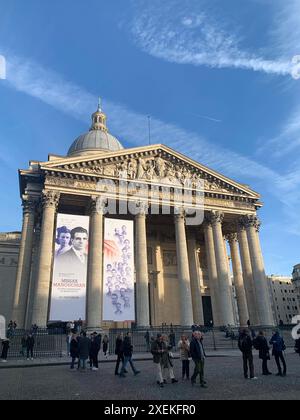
(198, 355)
(147, 339)
(278, 348)
(74, 353)
(261, 344)
(119, 353)
(30, 346)
(184, 348)
(246, 347)
(68, 342)
(105, 345)
(94, 352)
(84, 347)
(128, 353)
(5, 349)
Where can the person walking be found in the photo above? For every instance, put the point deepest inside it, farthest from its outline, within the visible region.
(198, 355)
(246, 347)
(184, 348)
(128, 354)
(278, 348)
(172, 339)
(84, 347)
(160, 352)
(261, 344)
(74, 351)
(94, 351)
(5, 349)
(105, 345)
(30, 346)
(119, 353)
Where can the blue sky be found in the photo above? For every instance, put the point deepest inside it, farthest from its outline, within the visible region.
(214, 75)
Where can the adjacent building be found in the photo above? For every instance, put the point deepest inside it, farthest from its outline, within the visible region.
(285, 299)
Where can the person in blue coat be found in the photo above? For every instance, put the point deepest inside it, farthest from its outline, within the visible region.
(278, 348)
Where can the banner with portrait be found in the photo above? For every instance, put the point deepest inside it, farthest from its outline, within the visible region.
(69, 281)
(118, 293)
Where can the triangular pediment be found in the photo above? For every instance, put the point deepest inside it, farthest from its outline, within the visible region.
(159, 164)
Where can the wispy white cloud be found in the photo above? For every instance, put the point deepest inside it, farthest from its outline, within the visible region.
(30, 78)
(188, 33)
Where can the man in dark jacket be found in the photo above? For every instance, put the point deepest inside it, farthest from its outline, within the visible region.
(128, 353)
(119, 353)
(94, 351)
(5, 348)
(198, 355)
(74, 350)
(261, 344)
(278, 348)
(84, 347)
(30, 346)
(246, 347)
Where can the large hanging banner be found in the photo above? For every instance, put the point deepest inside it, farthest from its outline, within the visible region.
(69, 282)
(118, 295)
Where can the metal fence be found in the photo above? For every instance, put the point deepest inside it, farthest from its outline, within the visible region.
(214, 339)
(48, 344)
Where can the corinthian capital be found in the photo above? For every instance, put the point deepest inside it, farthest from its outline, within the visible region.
(142, 208)
(232, 238)
(50, 198)
(98, 205)
(29, 205)
(251, 221)
(216, 217)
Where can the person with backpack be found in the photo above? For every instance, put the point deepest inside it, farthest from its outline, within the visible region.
(261, 344)
(278, 348)
(246, 348)
(128, 354)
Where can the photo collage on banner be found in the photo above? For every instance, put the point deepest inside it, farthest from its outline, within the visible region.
(69, 281)
(118, 296)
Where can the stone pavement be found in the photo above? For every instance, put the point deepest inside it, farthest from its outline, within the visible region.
(224, 376)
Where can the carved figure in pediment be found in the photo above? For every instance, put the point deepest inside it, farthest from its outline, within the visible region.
(160, 167)
(109, 170)
(150, 170)
(132, 169)
(142, 168)
(122, 170)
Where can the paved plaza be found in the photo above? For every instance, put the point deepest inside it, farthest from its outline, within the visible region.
(224, 376)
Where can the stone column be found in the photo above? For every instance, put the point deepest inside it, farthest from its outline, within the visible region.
(24, 264)
(183, 272)
(142, 275)
(44, 270)
(238, 279)
(248, 275)
(33, 275)
(160, 285)
(195, 279)
(95, 265)
(225, 293)
(212, 272)
(264, 307)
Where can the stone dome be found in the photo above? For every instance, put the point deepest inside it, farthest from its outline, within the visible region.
(98, 139)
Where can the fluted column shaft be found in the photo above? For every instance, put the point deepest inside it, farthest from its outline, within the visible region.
(238, 280)
(248, 276)
(195, 280)
(142, 276)
(41, 300)
(212, 272)
(95, 266)
(264, 308)
(183, 272)
(225, 292)
(24, 264)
